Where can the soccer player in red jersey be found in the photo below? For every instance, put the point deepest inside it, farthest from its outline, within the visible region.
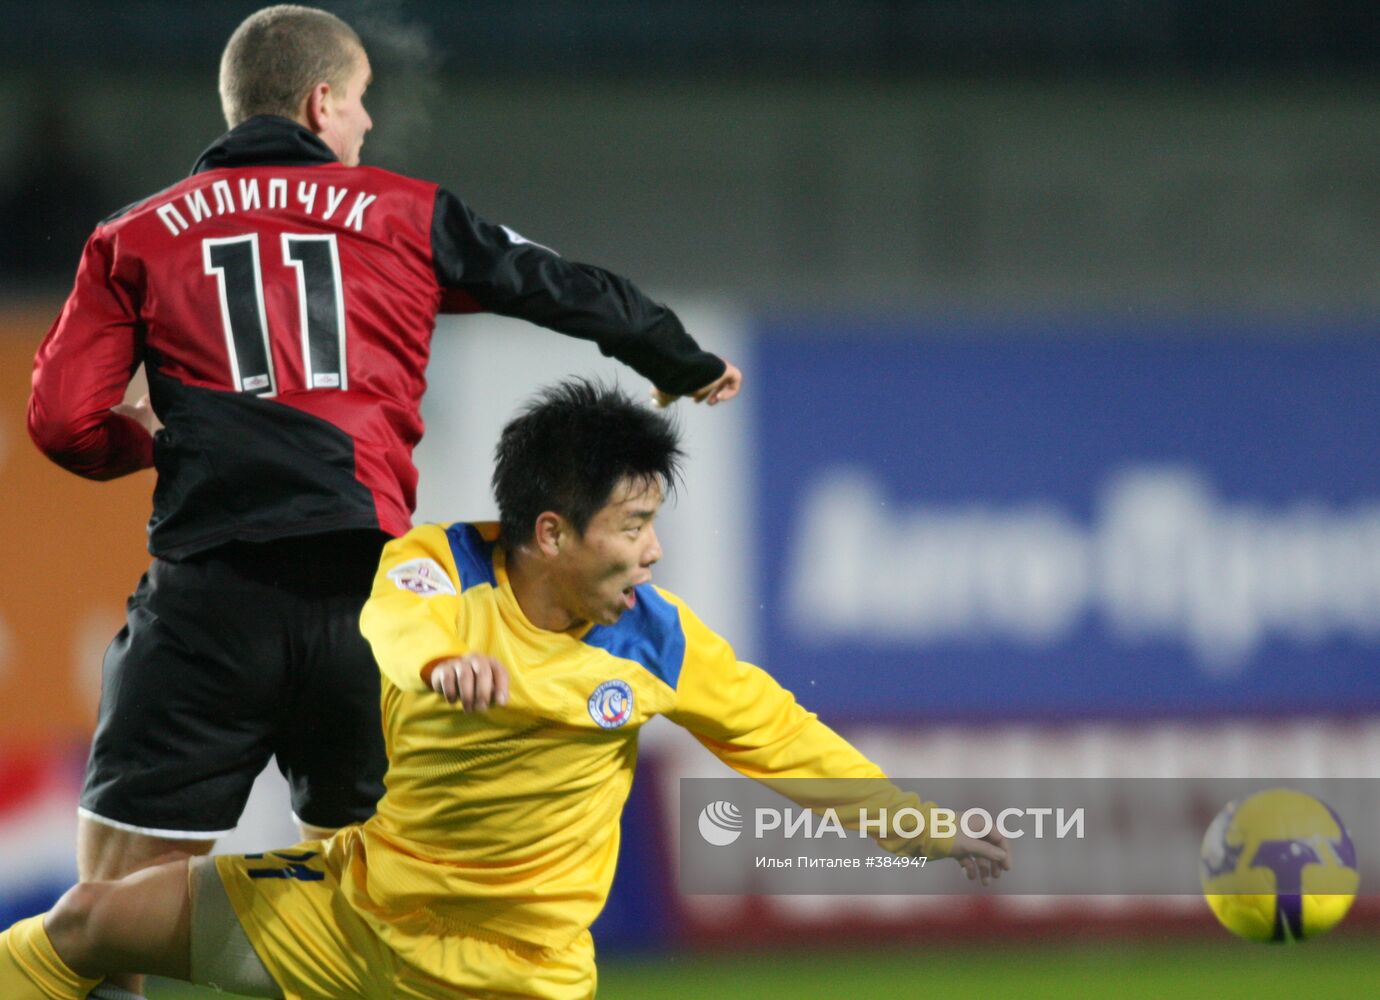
(282, 299)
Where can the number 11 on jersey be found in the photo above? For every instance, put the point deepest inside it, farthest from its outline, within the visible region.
(235, 262)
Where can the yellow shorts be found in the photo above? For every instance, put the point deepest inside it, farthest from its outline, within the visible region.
(316, 946)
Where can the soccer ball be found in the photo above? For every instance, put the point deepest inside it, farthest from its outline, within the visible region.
(1278, 866)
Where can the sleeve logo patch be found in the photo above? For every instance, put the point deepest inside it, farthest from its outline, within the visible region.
(423, 577)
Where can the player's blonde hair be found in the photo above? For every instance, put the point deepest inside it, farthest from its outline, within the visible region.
(278, 54)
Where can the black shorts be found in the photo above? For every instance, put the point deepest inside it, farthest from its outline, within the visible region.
(227, 658)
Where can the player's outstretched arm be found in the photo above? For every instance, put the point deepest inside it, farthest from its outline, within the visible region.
(746, 719)
(481, 266)
(721, 390)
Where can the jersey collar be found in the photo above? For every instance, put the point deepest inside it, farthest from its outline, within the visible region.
(265, 141)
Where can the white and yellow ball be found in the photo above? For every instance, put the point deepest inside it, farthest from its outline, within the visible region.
(1278, 866)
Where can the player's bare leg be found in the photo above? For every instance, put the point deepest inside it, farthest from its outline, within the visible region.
(141, 922)
(106, 853)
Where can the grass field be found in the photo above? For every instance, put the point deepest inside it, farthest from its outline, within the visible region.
(1222, 970)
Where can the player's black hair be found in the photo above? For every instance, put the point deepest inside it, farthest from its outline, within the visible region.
(568, 449)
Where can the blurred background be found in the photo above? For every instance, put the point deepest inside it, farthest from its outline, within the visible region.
(1056, 456)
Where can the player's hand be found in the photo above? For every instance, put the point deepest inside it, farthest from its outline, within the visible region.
(722, 389)
(474, 680)
(983, 859)
(141, 413)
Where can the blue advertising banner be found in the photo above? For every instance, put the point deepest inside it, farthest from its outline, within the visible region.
(1072, 523)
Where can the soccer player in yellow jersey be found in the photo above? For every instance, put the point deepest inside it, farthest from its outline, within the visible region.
(519, 662)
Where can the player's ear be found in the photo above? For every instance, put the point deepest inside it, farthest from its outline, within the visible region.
(550, 531)
(316, 108)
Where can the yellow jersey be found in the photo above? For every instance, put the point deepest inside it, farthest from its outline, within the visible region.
(505, 824)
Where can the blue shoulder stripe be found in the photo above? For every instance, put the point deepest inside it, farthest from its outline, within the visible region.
(649, 634)
(474, 557)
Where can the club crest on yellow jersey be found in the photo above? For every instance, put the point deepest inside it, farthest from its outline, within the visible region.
(611, 704)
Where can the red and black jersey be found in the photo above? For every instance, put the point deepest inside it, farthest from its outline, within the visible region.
(284, 305)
